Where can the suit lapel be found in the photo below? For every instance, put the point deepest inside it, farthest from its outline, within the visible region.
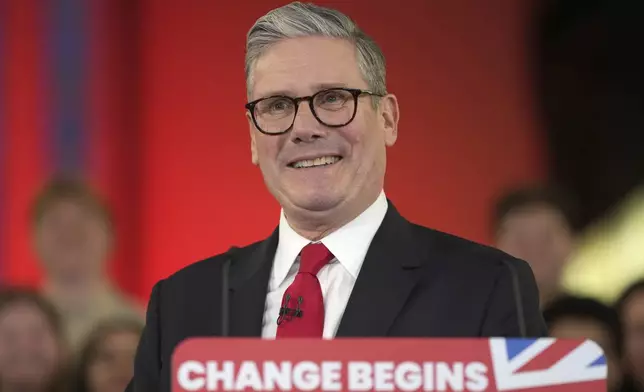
(249, 285)
(387, 277)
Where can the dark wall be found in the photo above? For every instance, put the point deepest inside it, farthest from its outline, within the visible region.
(590, 79)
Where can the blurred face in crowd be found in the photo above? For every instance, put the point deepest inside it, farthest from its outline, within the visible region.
(540, 236)
(30, 351)
(73, 241)
(112, 366)
(314, 170)
(633, 321)
(586, 328)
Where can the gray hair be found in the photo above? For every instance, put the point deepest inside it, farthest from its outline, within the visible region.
(305, 20)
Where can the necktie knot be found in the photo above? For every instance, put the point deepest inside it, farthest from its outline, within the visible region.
(313, 257)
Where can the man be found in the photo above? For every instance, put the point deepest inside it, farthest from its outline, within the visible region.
(536, 224)
(342, 262)
(73, 238)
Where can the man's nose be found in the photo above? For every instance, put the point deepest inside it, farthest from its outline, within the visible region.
(305, 126)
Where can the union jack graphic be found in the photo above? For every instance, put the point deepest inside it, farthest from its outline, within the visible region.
(532, 363)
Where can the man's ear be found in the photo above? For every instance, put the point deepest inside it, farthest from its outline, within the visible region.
(253, 146)
(390, 114)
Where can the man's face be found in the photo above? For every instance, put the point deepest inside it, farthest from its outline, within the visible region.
(540, 236)
(301, 67)
(72, 241)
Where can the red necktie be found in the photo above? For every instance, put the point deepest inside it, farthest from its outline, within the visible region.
(302, 311)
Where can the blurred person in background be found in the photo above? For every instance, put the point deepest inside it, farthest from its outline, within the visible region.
(32, 346)
(570, 317)
(106, 360)
(73, 236)
(630, 307)
(536, 225)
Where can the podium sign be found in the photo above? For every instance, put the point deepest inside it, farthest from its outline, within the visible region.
(496, 364)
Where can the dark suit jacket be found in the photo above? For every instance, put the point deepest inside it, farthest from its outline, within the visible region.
(415, 282)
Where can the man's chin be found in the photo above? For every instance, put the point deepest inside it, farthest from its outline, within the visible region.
(316, 203)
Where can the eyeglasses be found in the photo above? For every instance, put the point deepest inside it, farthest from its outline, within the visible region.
(334, 108)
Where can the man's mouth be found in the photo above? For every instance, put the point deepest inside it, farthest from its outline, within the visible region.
(321, 161)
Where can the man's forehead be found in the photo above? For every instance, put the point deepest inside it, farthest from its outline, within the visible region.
(537, 212)
(72, 206)
(634, 305)
(304, 65)
(540, 218)
(572, 326)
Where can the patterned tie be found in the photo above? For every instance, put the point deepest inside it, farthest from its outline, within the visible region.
(302, 311)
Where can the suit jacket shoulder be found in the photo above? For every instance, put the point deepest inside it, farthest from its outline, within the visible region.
(417, 281)
(508, 283)
(187, 304)
(193, 294)
(466, 254)
(201, 269)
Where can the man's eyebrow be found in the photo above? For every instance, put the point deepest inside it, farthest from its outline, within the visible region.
(289, 93)
(276, 93)
(326, 86)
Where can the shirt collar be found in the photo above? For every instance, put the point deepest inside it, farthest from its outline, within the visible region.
(349, 244)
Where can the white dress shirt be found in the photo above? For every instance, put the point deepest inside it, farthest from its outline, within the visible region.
(349, 245)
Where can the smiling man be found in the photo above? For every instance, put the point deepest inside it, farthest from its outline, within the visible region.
(342, 262)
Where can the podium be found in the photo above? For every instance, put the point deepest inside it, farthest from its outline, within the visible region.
(389, 364)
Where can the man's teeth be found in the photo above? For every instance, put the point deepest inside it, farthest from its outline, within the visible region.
(322, 161)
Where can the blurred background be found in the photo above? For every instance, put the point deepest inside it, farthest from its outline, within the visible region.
(124, 152)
